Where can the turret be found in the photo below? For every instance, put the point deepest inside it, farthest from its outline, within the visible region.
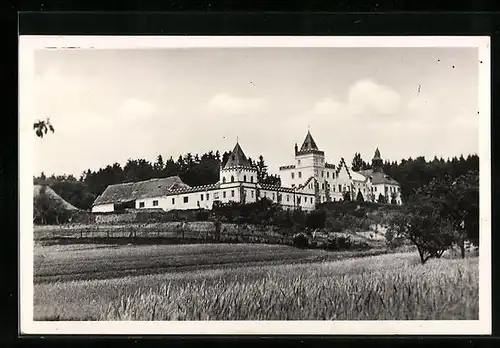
(377, 162)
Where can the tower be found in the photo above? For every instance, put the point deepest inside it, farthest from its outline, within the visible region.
(238, 168)
(377, 162)
(310, 158)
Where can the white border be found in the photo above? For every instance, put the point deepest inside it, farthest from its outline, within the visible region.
(27, 47)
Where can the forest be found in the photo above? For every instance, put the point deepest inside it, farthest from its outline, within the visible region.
(203, 169)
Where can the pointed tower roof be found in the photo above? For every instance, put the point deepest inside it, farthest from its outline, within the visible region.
(309, 145)
(237, 158)
(377, 155)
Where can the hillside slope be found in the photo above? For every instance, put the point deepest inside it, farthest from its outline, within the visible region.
(52, 195)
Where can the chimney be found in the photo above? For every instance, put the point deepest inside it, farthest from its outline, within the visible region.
(296, 148)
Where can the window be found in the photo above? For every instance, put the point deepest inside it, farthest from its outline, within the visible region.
(299, 162)
(375, 189)
(232, 178)
(244, 178)
(155, 203)
(224, 180)
(311, 199)
(288, 198)
(216, 195)
(251, 192)
(265, 194)
(298, 200)
(141, 204)
(333, 188)
(300, 174)
(327, 175)
(323, 186)
(186, 199)
(173, 201)
(340, 188)
(273, 196)
(322, 173)
(223, 194)
(201, 196)
(208, 196)
(293, 175)
(232, 193)
(251, 178)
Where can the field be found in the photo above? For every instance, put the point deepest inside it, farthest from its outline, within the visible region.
(247, 282)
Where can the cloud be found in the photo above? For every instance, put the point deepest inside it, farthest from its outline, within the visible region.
(137, 111)
(328, 106)
(231, 104)
(367, 97)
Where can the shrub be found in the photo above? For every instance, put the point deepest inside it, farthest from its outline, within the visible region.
(202, 215)
(339, 243)
(316, 219)
(300, 240)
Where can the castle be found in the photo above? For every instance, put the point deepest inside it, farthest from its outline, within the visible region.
(308, 182)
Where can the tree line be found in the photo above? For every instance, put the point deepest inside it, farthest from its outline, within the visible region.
(414, 173)
(194, 170)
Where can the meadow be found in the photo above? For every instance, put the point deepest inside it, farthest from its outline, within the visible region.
(248, 282)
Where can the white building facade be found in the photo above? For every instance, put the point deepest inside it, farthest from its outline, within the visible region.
(308, 182)
(336, 183)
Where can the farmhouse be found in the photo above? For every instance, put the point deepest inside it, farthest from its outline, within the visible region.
(308, 182)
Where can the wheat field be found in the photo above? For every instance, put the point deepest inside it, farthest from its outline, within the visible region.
(383, 287)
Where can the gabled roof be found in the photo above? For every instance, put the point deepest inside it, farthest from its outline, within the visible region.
(309, 145)
(343, 164)
(128, 192)
(237, 158)
(378, 177)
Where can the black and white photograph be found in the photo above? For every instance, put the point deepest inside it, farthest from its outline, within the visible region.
(255, 185)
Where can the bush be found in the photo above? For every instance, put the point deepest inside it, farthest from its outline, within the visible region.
(300, 240)
(202, 215)
(316, 219)
(339, 243)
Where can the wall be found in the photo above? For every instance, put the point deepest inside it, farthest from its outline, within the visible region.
(103, 208)
(306, 169)
(195, 201)
(345, 184)
(239, 175)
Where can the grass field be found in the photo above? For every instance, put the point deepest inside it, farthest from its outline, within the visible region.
(247, 282)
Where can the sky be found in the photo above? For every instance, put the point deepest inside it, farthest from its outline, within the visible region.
(111, 105)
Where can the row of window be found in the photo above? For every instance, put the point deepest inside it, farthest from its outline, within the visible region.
(232, 179)
(216, 196)
(391, 189)
(316, 161)
(334, 175)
